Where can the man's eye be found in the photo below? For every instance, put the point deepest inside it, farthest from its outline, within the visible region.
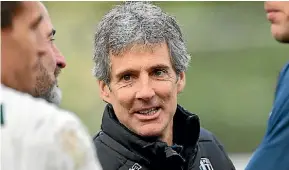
(52, 39)
(160, 73)
(126, 77)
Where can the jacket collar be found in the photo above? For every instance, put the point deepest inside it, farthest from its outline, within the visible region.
(186, 129)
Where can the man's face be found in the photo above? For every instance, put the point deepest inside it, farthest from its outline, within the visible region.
(143, 90)
(30, 59)
(49, 65)
(278, 15)
(21, 46)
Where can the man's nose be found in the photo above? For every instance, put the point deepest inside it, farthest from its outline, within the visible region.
(60, 59)
(145, 92)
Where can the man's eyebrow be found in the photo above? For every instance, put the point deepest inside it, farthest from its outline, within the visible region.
(37, 21)
(120, 73)
(162, 66)
(52, 33)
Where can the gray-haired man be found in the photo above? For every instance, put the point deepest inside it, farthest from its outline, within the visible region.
(140, 62)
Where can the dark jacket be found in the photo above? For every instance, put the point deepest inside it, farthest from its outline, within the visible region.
(194, 148)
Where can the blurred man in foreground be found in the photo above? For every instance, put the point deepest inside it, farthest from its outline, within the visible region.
(140, 62)
(37, 77)
(36, 135)
(273, 152)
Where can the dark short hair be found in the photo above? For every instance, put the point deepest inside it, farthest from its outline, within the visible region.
(9, 9)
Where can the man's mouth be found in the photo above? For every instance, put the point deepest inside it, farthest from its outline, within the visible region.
(269, 10)
(149, 112)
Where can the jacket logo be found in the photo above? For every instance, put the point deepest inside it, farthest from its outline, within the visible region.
(205, 164)
(135, 166)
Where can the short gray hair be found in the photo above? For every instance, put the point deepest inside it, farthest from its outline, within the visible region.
(134, 23)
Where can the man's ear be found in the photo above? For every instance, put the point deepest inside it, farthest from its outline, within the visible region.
(181, 82)
(104, 91)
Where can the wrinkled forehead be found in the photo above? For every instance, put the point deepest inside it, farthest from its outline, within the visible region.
(138, 47)
(142, 53)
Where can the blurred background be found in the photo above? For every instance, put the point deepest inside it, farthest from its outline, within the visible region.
(232, 75)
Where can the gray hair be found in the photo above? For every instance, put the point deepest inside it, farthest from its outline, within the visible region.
(136, 23)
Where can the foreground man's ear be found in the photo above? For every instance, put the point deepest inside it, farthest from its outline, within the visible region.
(104, 91)
(181, 82)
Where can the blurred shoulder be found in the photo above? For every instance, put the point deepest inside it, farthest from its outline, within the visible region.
(53, 136)
(29, 114)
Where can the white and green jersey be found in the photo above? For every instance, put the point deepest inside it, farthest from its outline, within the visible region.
(36, 135)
